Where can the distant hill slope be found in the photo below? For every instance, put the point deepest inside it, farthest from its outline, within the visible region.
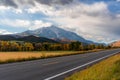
(32, 38)
(54, 33)
(26, 38)
(7, 37)
(115, 44)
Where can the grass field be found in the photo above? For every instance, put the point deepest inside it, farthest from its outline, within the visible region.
(106, 70)
(7, 57)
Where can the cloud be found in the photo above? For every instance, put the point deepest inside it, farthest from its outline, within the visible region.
(40, 8)
(8, 3)
(4, 8)
(18, 3)
(118, 0)
(76, 10)
(38, 24)
(17, 23)
(2, 32)
(71, 10)
(54, 2)
(93, 21)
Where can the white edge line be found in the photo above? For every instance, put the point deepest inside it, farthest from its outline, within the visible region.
(79, 67)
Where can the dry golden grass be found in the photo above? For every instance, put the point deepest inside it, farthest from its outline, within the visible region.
(108, 69)
(17, 55)
(6, 57)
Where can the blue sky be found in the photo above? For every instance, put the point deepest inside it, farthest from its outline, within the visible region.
(97, 20)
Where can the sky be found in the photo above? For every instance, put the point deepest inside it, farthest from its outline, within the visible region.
(96, 20)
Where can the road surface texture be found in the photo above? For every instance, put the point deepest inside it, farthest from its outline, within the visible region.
(52, 68)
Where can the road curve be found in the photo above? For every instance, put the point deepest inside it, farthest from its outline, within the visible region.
(52, 68)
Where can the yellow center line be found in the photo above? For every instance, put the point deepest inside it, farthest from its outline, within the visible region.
(50, 63)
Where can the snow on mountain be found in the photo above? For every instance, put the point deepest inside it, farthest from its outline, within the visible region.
(54, 32)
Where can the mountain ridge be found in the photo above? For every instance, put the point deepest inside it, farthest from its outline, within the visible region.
(29, 38)
(54, 32)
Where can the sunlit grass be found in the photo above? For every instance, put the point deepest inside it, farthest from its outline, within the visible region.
(7, 57)
(106, 70)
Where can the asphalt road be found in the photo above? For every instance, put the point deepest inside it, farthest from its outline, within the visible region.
(51, 68)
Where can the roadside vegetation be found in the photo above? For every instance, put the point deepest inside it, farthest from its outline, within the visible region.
(27, 46)
(8, 57)
(16, 51)
(106, 70)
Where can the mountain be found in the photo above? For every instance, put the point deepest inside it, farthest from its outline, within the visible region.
(7, 37)
(54, 33)
(115, 44)
(30, 38)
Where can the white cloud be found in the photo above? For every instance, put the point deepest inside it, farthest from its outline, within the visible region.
(77, 10)
(25, 23)
(17, 11)
(70, 10)
(4, 8)
(40, 8)
(15, 23)
(2, 32)
(118, 15)
(38, 24)
(118, 0)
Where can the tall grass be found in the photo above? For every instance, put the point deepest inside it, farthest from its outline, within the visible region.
(7, 57)
(106, 70)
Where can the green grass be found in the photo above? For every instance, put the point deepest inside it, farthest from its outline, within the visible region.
(108, 69)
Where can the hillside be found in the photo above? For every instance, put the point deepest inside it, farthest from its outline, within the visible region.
(26, 38)
(116, 44)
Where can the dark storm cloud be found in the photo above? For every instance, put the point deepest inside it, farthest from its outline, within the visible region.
(51, 2)
(8, 3)
(12, 3)
(29, 2)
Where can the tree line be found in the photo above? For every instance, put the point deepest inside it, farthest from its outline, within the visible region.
(27, 46)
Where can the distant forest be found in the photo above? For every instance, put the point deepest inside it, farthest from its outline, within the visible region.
(27, 46)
